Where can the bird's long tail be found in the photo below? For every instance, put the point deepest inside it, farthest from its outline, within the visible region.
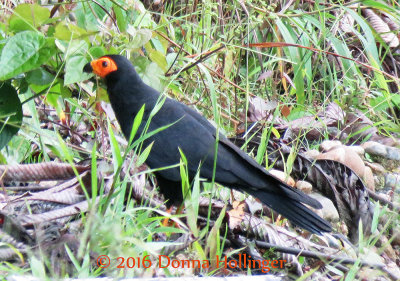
(293, 210)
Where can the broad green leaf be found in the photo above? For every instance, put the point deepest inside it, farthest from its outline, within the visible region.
(25, 51)
(10, 113)
(39, 77)
(75, 60)
(140, 37)
(87, 13)
(151, 76)
(101, 95)
(28, 17)
(18, 149)
(171, 58)
(157, 44)
(69, 31)
(297, 112)
(77, 47)
(141, 17)
(73, 70)
(97, 51)
(162, 40)
(56, 89)
(158, 58)
(62, 91)
(72, 47)
(62, 32)
(121, 18)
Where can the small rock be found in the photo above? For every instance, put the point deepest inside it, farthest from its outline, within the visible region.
(370, 255)
(368, 273)
(385, 196)
(304, 186)
(234, 195)
(376, 168)
(282, 176)
(375, 148)
(328, 145)
(329, 211)
(393, 153)
(254, 205)
(392, 181)
(313, 153)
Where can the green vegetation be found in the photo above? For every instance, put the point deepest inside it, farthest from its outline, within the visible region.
(200, 53)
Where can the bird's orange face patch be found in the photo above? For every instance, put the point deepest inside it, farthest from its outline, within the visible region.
(103, 66)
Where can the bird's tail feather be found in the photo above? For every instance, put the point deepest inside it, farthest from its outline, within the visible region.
(294, 211)
(298, 195)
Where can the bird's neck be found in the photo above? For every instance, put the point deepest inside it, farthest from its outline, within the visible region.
(127, 97)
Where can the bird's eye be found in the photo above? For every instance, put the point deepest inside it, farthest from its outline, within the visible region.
(104, 64)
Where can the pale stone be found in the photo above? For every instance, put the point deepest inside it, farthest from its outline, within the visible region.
(283, 177)
(304, 186)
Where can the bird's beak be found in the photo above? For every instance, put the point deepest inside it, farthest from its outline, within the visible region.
(88, 68)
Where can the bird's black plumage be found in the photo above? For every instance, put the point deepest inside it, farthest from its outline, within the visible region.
(196, 138)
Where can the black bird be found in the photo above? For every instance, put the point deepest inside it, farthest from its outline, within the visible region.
(196, 138)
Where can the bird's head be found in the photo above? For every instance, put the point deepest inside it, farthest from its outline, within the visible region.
(101, 67)
(110, 67)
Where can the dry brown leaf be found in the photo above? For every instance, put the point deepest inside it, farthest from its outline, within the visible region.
(285, 110)
(40, 171)
(382, 28)
(359, 126)
(259, 109)
(394, 26)
(265, 75)
(333, 114)
(236, 214)
(346, 23)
